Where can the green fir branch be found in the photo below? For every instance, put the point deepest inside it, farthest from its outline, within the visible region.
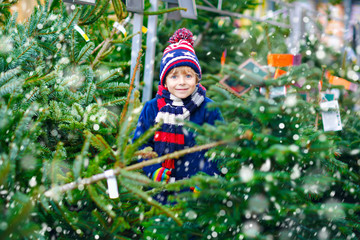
(145, 197)
(101, 201)
(85, 52)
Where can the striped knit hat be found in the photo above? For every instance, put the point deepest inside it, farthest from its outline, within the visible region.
(179, 53)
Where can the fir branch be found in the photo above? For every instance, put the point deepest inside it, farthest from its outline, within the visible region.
(142, 195)
(34, 92)
(11, 98)
(43, 45)
(8, 75)
(98, 216)
(10, 87)
(52, 75)
(79, 160)
(82, 22)
(85, 52)
(119, 101)
(113, 87)
(268, 38)
(23, 53)
(98, 46)
(72, 46)
(106, 53)
(98, 177)
(125, 39)
(118, 8)
(98, 15)
(54, 164)
(4, 170)
(109, 76)
(66, 215)
(139, 178)
(176, 155)
(165, 11)
(105, 46)
(123, 113)
(18, 217)
(129, 150)
(71, 20)
(90, 92)
(100, 201)
(105, 145)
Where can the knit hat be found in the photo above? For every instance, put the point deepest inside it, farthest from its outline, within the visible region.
(179, 53)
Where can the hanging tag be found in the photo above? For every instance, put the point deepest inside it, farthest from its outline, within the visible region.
(120, 28)
(82, 33)
(112, 183)
(331, 119)
(283, 60)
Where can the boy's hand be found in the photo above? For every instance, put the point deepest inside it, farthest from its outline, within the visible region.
(195, 189)
(161, 175)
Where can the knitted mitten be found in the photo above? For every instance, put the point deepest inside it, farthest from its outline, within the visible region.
(195, 189)
(161, 175)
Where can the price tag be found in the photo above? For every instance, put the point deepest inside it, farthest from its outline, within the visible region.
(112, 183)
(331, 116)
(82, 33)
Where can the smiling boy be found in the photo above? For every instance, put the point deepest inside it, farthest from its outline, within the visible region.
(180, 97)
(181, 81)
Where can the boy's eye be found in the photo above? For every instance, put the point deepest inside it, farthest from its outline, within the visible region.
(173, 77)
(188, 75)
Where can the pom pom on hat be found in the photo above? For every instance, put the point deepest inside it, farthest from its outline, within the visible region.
(179, 53)
(182, 34)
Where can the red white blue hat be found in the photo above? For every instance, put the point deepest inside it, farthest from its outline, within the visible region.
(179, 53)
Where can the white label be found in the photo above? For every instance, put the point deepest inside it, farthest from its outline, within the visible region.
(82, 33)
(331, 116)
(112, 184)
(336, 93)
(120, 28)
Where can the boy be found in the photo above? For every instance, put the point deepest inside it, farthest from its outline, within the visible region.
(179, 97)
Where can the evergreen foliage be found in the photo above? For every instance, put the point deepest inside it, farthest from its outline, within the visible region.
(287, 182)
(66, 116)
(59, 107)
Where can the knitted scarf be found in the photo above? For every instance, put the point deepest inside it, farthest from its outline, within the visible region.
(172, 112)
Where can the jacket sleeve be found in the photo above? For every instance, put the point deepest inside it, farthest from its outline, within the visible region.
(146, 121)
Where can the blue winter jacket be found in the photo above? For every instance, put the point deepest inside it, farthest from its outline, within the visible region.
(189, 164)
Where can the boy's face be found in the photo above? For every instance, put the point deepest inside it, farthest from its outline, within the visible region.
(181, 82)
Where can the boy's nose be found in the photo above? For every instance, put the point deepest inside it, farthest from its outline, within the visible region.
(182, 80)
